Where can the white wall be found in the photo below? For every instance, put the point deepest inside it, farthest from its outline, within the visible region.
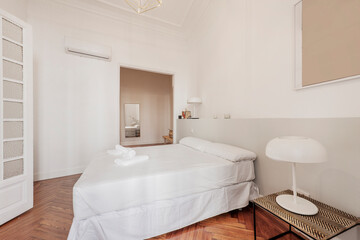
(17, 8)
(245, 65)
(77, 99)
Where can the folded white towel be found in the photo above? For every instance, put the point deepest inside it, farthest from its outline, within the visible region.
(120, 148)
(129, 154)
(122, 151)
(115, 152)
(132, 161)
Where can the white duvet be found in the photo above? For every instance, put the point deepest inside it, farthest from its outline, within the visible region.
(171, 171)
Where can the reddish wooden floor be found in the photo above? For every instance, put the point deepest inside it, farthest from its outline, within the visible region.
(235, 225)
(52, 215)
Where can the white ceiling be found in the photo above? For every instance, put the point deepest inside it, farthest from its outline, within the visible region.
(173, 12)
(175, 17)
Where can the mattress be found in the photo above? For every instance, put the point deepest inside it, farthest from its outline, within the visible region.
(172, 171)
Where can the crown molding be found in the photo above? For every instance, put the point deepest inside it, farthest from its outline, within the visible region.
(149, 16)
(125, 16)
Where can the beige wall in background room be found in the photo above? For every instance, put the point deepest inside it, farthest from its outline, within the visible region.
(153, 91)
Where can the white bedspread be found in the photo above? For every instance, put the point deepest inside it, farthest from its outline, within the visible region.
(159, 217)
(171, 171)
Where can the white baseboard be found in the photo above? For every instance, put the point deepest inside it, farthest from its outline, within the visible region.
(58, 173)
(141, 142)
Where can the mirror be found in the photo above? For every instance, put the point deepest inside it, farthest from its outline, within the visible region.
(132, 120)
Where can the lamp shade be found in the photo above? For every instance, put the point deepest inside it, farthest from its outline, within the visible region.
(296, 149)
(194, 100)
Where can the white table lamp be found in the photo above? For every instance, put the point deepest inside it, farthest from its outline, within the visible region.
(195, 101)
(296, 149)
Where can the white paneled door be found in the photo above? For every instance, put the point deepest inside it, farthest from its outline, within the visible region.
(16, 124)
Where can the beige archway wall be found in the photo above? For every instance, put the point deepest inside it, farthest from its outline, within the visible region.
(154, 92)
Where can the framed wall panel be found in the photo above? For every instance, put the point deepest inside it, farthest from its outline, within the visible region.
(327, 39)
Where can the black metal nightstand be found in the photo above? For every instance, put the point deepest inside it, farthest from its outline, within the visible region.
(327, 224)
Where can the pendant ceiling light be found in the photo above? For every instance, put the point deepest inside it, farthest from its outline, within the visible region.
(141, 6)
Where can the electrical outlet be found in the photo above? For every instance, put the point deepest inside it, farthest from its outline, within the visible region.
(303, 192)
(227, 116)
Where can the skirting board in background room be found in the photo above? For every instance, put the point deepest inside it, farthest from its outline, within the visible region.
(336, 182)
(141, 142)
(60, 173)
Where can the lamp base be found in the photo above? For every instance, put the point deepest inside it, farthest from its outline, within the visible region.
(302, 206)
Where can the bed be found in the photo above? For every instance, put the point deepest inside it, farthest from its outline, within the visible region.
(132, 131)
(178, 186)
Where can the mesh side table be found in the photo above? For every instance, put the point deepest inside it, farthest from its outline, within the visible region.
(327, 224)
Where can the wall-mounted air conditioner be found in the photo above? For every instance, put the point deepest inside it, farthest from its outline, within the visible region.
(86, 49)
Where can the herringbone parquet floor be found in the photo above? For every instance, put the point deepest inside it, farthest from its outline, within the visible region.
(235, 225)
(52, 215)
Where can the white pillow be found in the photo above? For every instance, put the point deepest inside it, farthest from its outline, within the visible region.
(229, 152)
(195, 143)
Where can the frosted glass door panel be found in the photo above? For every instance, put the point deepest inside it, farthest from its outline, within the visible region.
(13, 130)
(12, 70)
(12, 31)
(13, 90)
(13, 168)
(13, 149)
(12, 51)
(13, 110)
